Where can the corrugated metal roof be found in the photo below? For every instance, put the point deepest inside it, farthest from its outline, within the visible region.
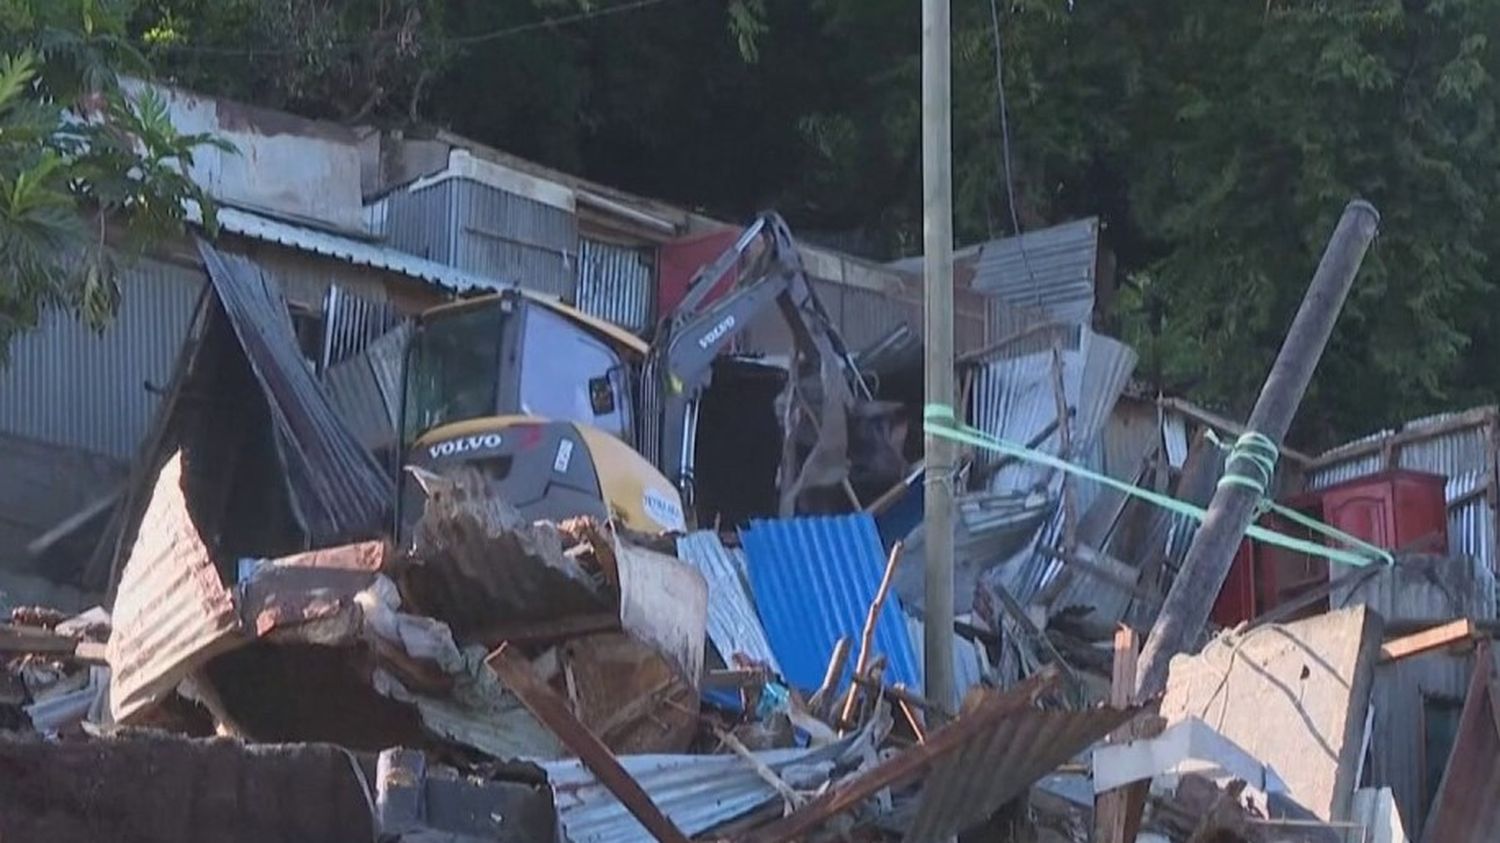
(1052, 268)
(67, 385)
(733, 624)
(994, 768)
(171, 613)
(1461, 454)
(814, 580)
(340, 492)
(354, 251)
(698, 792)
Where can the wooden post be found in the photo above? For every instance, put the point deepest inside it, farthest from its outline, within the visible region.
(867, 635)
(1232, 508)
(1112, 809)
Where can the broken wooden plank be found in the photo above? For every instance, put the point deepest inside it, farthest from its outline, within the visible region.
(73, 523)
(867, 635)
(766, 774)
(544, 703)
(1435, 638)
(26, 639)
(1117, 812)
(831, 676)
(735, 678)
(907, 765)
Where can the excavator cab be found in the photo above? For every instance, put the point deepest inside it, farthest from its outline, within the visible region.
(494, 382)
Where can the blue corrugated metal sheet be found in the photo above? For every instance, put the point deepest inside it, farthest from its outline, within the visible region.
(339, 490)
(67, 386)
(814, 579)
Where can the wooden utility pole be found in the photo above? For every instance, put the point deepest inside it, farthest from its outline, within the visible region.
(937, 250)
(1187, 606)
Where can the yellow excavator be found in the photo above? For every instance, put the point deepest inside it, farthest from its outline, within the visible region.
(568, 415)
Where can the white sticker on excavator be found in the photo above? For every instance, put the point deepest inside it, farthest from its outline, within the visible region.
(662, 509)
(564, 456)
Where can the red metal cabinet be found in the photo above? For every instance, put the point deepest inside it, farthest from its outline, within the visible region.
(1396, 510)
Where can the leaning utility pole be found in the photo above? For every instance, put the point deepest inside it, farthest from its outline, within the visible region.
(937, 250)
(1232, 508)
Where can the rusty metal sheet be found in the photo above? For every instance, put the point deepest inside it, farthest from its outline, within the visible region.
(172, 613)
(1466, 807)
(995, 767)
(480, 564)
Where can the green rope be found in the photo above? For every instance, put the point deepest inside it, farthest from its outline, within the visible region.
(1253, 457)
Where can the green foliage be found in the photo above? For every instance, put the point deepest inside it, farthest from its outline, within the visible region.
(1218, 143)
(88, 171)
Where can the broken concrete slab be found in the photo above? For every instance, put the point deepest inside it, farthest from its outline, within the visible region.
(417, 802)
(1294, 696)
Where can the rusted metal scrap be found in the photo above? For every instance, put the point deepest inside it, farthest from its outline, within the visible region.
(476, 561)
(996, 747)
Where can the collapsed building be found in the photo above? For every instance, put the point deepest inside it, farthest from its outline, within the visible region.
(206, 498)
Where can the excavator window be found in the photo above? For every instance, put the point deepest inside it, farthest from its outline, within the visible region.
(568, 374)
(452, 372)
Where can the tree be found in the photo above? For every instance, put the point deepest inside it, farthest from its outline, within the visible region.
(89, 173)
(1217, 142)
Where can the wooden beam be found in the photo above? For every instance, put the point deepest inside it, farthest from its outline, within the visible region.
(1435, 638)
(909, 764)
(1113, 809)
(26, 639)
(544, 703)
(867, 635)
(831, 676)
(1211, 419)
(73, 523)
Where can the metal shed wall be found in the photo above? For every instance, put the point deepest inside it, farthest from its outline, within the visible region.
(484, 230)
(617, 283)
(67, 386)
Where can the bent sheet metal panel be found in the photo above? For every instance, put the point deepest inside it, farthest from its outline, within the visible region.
(733, 624)
(814, 580)
(697, 792)
(172, 613)
(992, 769)
(340, 491)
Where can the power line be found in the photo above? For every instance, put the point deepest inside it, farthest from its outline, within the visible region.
(451, 40)
(1010, 185)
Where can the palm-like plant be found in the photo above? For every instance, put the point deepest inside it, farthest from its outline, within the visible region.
(89, 173)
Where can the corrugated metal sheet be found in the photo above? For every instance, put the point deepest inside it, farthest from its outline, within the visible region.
(814, 580)
(65, 385)
(354, 251)
(969, 663)
(502, 235)
(1462, 455)
(338, 489)
(994, 768)
(1467, 804)
(698, 792)
(617, 283)
(733, 624)
(351, 322)
(485, 232)
(171, 613)
(1052, 269)
(365, 389)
